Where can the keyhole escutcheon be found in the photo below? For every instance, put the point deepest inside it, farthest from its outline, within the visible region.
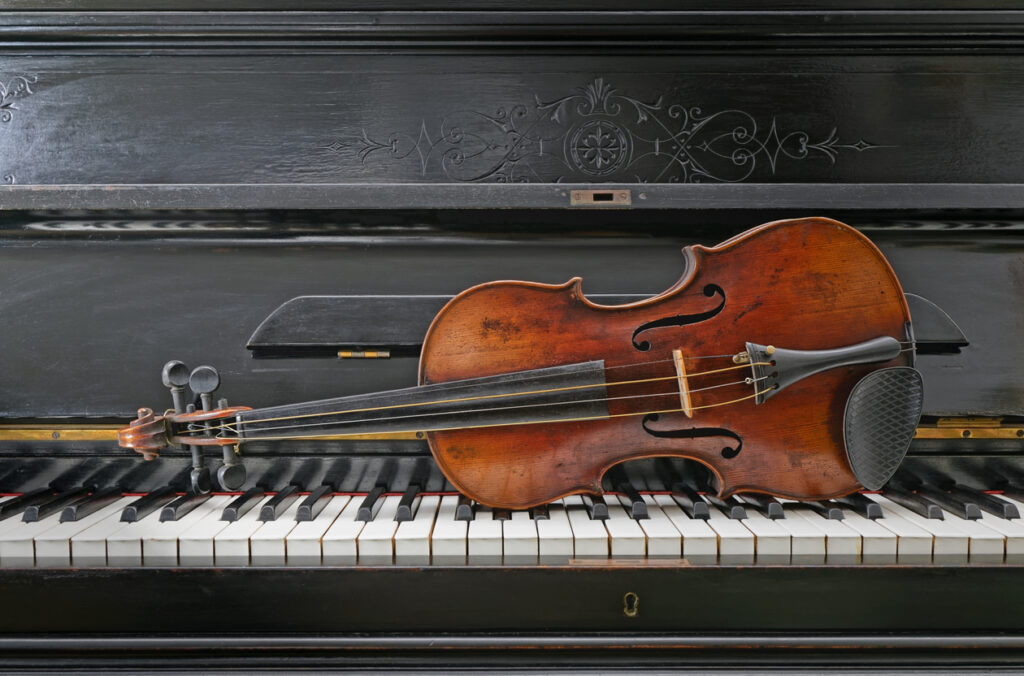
(630, 604)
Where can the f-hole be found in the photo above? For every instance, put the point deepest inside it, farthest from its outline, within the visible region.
(711, 290)
(728, 452)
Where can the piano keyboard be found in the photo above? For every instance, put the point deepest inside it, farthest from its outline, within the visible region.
(662, 526)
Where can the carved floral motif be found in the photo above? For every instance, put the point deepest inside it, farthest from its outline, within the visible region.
(598, 133)
(17, 87)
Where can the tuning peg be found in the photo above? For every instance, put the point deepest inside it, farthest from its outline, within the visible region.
(199, 478)
(204, 381)
(175, 376)
(231, 477)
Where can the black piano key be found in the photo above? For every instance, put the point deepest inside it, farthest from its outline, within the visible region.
(366, 509)
(18, 504)
(731, 506)
(987, 503)
(314, 503)
(417, 482)
(501, 514)
(540, 513)
(690, 501)
(685, 494)
(404, 512)
(622, 484)
(1013, 490)
(965, 510)
(765, 504)
(147, 504)
(464, 511)
(181, 506)
(596, 507)
(276, 506)
(242, 504)
(826, 509)
(916, 504)
(861, 504)
(90, 504)
(54, 503)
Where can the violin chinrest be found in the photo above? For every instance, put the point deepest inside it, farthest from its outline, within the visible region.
(881, 417)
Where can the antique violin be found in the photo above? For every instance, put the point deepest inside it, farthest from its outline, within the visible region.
(782, 360)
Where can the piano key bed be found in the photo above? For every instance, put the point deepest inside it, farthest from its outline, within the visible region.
(367, 530)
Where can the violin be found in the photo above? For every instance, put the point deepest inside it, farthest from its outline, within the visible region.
(782, 360)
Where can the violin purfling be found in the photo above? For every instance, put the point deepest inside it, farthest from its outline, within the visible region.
(782, 360)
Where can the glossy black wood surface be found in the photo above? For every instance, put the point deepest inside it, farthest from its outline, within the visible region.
(200, 109)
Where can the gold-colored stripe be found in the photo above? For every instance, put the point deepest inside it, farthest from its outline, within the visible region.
(969, 433)
(59, 433)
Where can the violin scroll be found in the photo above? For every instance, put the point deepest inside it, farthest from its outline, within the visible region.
(191, 429)
(147, 434)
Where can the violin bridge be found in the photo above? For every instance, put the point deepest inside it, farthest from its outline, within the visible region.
(684, 386)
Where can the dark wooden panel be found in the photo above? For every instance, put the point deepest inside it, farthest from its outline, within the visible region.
(702, 600)
(458, 118)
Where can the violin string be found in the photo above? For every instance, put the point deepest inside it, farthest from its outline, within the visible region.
(520, 422)
(530, 379)
(505, 395)
(232, 427)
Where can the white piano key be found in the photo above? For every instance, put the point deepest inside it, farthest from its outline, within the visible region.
(17, 541)
(196, 545)
(519, 539)
(554, 535)
(375, 544)
(303, 546)
(412, 539)
(124, 546)
(807, 542)
(589, 536)
(700, 541)
(735, 541)
(266, 546)
(160, 539)
(231, 545)
(949, 544)
(842, 544)
(772, 542)
(985, 545)
(878, 544)
(1012, 530)
(663, 539)
(448, 541)
(484, 537)
(88, 546)
(914, 544)
(339, 541)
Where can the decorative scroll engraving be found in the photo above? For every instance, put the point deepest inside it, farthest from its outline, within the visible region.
(598, 134)
(18, 87)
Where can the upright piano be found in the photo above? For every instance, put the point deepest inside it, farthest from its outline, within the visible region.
(287, 192)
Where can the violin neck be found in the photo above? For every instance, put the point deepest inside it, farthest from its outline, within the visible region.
(574, 391)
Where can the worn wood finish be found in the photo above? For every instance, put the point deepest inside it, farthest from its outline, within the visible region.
(801, 284)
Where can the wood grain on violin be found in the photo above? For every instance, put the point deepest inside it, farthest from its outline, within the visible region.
(529, 392)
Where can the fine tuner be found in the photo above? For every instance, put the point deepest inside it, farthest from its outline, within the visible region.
(530, 392)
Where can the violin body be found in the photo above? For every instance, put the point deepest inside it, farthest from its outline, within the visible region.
(806, 284)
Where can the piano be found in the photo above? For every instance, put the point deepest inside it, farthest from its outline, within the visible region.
(287, 192)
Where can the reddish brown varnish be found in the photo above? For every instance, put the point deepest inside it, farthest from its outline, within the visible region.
(802, 284)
